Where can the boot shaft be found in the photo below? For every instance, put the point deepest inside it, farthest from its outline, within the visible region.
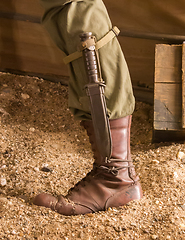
(120, 164)
(120, 134)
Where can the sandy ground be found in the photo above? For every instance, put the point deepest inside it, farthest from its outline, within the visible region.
(42, 148)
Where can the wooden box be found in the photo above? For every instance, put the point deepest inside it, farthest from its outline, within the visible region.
(169, 97)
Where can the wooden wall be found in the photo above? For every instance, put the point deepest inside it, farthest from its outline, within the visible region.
(24, 44)
(26, 47)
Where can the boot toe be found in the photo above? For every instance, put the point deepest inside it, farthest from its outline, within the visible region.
(45, 200)
(67, 207)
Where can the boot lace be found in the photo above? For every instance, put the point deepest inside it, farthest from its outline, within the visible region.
(112, 169)
(83, 181)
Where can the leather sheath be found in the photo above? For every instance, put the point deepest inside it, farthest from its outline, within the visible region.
(95, 92)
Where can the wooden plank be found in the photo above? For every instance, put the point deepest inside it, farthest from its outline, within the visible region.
(18, 32)
(27, 7)
(167, 106)
(168, 75)
(168, 88)
(32, 58)
(183, 85)
(27, 47)
(168, 61)
(168, 136)
(20, 17)
(139, 54)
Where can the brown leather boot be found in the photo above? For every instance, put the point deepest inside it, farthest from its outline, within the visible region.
(111, 183)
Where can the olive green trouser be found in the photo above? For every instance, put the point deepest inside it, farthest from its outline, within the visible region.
(65, 20)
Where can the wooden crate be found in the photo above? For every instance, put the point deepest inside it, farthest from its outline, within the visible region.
(169, 99)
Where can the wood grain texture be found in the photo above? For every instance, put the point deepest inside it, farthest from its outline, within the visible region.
(26, 47)
(167, 106)
(168, 63)
(27, 7)
(168, 87)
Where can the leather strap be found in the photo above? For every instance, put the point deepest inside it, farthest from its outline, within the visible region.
(103, 41)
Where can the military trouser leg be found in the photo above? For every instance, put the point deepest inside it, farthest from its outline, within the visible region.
(65, 20)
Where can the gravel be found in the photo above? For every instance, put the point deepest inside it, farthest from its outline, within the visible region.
(42, 148)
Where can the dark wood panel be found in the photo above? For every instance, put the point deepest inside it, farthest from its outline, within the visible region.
(18, 32)
(33, 59)
(27, 7)
(168, 136)
(140, 57)
(27, 47)
(19, 17)
(148, 16)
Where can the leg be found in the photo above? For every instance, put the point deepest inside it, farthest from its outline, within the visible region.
(65, 21)
(111, 183)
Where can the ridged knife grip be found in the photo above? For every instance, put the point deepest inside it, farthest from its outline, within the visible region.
(90, 58)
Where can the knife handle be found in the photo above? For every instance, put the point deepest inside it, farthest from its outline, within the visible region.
(90, 58)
